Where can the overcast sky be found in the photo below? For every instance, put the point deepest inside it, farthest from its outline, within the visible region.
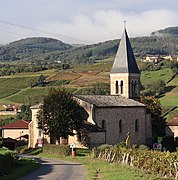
(84, 21)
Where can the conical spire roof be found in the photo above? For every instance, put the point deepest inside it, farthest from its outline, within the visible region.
(125, 60)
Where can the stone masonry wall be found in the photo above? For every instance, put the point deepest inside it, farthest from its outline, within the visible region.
(128, 116)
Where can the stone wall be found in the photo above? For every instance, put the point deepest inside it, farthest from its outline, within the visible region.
(97, 139)
(120, 121)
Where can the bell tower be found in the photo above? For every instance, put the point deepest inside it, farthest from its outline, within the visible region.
(125, 75)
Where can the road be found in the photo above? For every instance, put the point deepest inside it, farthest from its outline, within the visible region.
(54, 169)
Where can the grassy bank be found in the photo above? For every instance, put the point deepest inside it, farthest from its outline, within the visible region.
(21, 168)
(97, 169)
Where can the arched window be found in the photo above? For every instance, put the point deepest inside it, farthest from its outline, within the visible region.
(136, 125)
(135, 85)
(116, 87)
(103, 125)
(121, 87)
(132, 87)
(120, 126)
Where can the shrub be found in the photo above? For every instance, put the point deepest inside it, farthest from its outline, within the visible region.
(61, 150)
(143, 147)
(6, 161)
(103, 147)
(22, 149)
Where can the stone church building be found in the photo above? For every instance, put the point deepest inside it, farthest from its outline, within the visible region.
(115, 115)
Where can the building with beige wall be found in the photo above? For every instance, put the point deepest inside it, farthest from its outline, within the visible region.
(172, 127)
(112, 116)
(16, 130)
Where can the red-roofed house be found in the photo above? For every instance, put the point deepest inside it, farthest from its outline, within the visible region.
(173, 126)
(15, 130)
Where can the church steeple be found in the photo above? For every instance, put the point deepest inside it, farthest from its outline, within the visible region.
(125, 75)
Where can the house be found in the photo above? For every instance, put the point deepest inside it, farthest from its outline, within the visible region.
(114, 116)
(16, 130)
(172, 127)
(154, 59)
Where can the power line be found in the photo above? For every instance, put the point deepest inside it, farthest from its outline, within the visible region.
(13, 33)
(38, 30)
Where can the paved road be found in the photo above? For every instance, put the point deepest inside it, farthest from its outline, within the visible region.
(54, 169)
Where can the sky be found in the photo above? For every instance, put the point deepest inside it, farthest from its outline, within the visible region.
(84, 21)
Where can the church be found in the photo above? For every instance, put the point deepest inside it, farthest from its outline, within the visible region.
(116, 115)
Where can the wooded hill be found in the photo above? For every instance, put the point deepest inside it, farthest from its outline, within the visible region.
(48, 49)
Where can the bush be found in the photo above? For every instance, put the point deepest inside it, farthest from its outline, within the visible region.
(143, 147)
(163, 164)
(103, 147)
(22, 149)
(6, 161)
(61, 150)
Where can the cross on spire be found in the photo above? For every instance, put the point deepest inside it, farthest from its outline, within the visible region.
(125, 24)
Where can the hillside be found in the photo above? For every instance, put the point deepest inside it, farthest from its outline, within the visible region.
(31, 48)
(49, 50)
(170, 31)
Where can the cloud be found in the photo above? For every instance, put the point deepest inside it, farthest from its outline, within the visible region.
(78, 21)
(108, 24)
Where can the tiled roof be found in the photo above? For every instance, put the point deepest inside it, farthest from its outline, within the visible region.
(125, 60)
(21, 124)
(108, 100)
(173, 122)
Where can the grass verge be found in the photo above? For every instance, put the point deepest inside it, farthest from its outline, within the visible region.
(97, 169)
(21, 168)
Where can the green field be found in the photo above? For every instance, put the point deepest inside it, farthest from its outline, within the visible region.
(16, 89)
(30, 96)
(150, 76)
(13, 85)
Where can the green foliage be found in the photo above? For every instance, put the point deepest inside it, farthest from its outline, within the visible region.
(160, 163)
(97, 88)
(6, 161)
(158, 123)
(167, 31)
(25, 112)
(58, 82)
(14, 85)
(29, 96)
(154, 88)
(7, 121)
(169, 143)
(61, 114)
(31, 49)
(46, 50)
(60, 150)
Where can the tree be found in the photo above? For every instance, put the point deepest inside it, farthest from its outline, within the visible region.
(61, 114)
(154, 88)
(25, 112)
(158, 123)
(100, 88)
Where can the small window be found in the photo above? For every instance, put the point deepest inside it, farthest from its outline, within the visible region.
(116, 87)
(135, 85)
(121, 87)
(136, 125)
(40, 133)
(132, 87)
(103, 125)
(120, 126)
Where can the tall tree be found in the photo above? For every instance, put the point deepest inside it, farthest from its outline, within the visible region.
(158, 122)
(61, 114)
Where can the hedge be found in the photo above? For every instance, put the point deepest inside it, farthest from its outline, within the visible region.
(6, 161)
(61, 150)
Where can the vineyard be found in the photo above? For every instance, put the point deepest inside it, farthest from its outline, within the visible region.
(11, 86)
(162, 164)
